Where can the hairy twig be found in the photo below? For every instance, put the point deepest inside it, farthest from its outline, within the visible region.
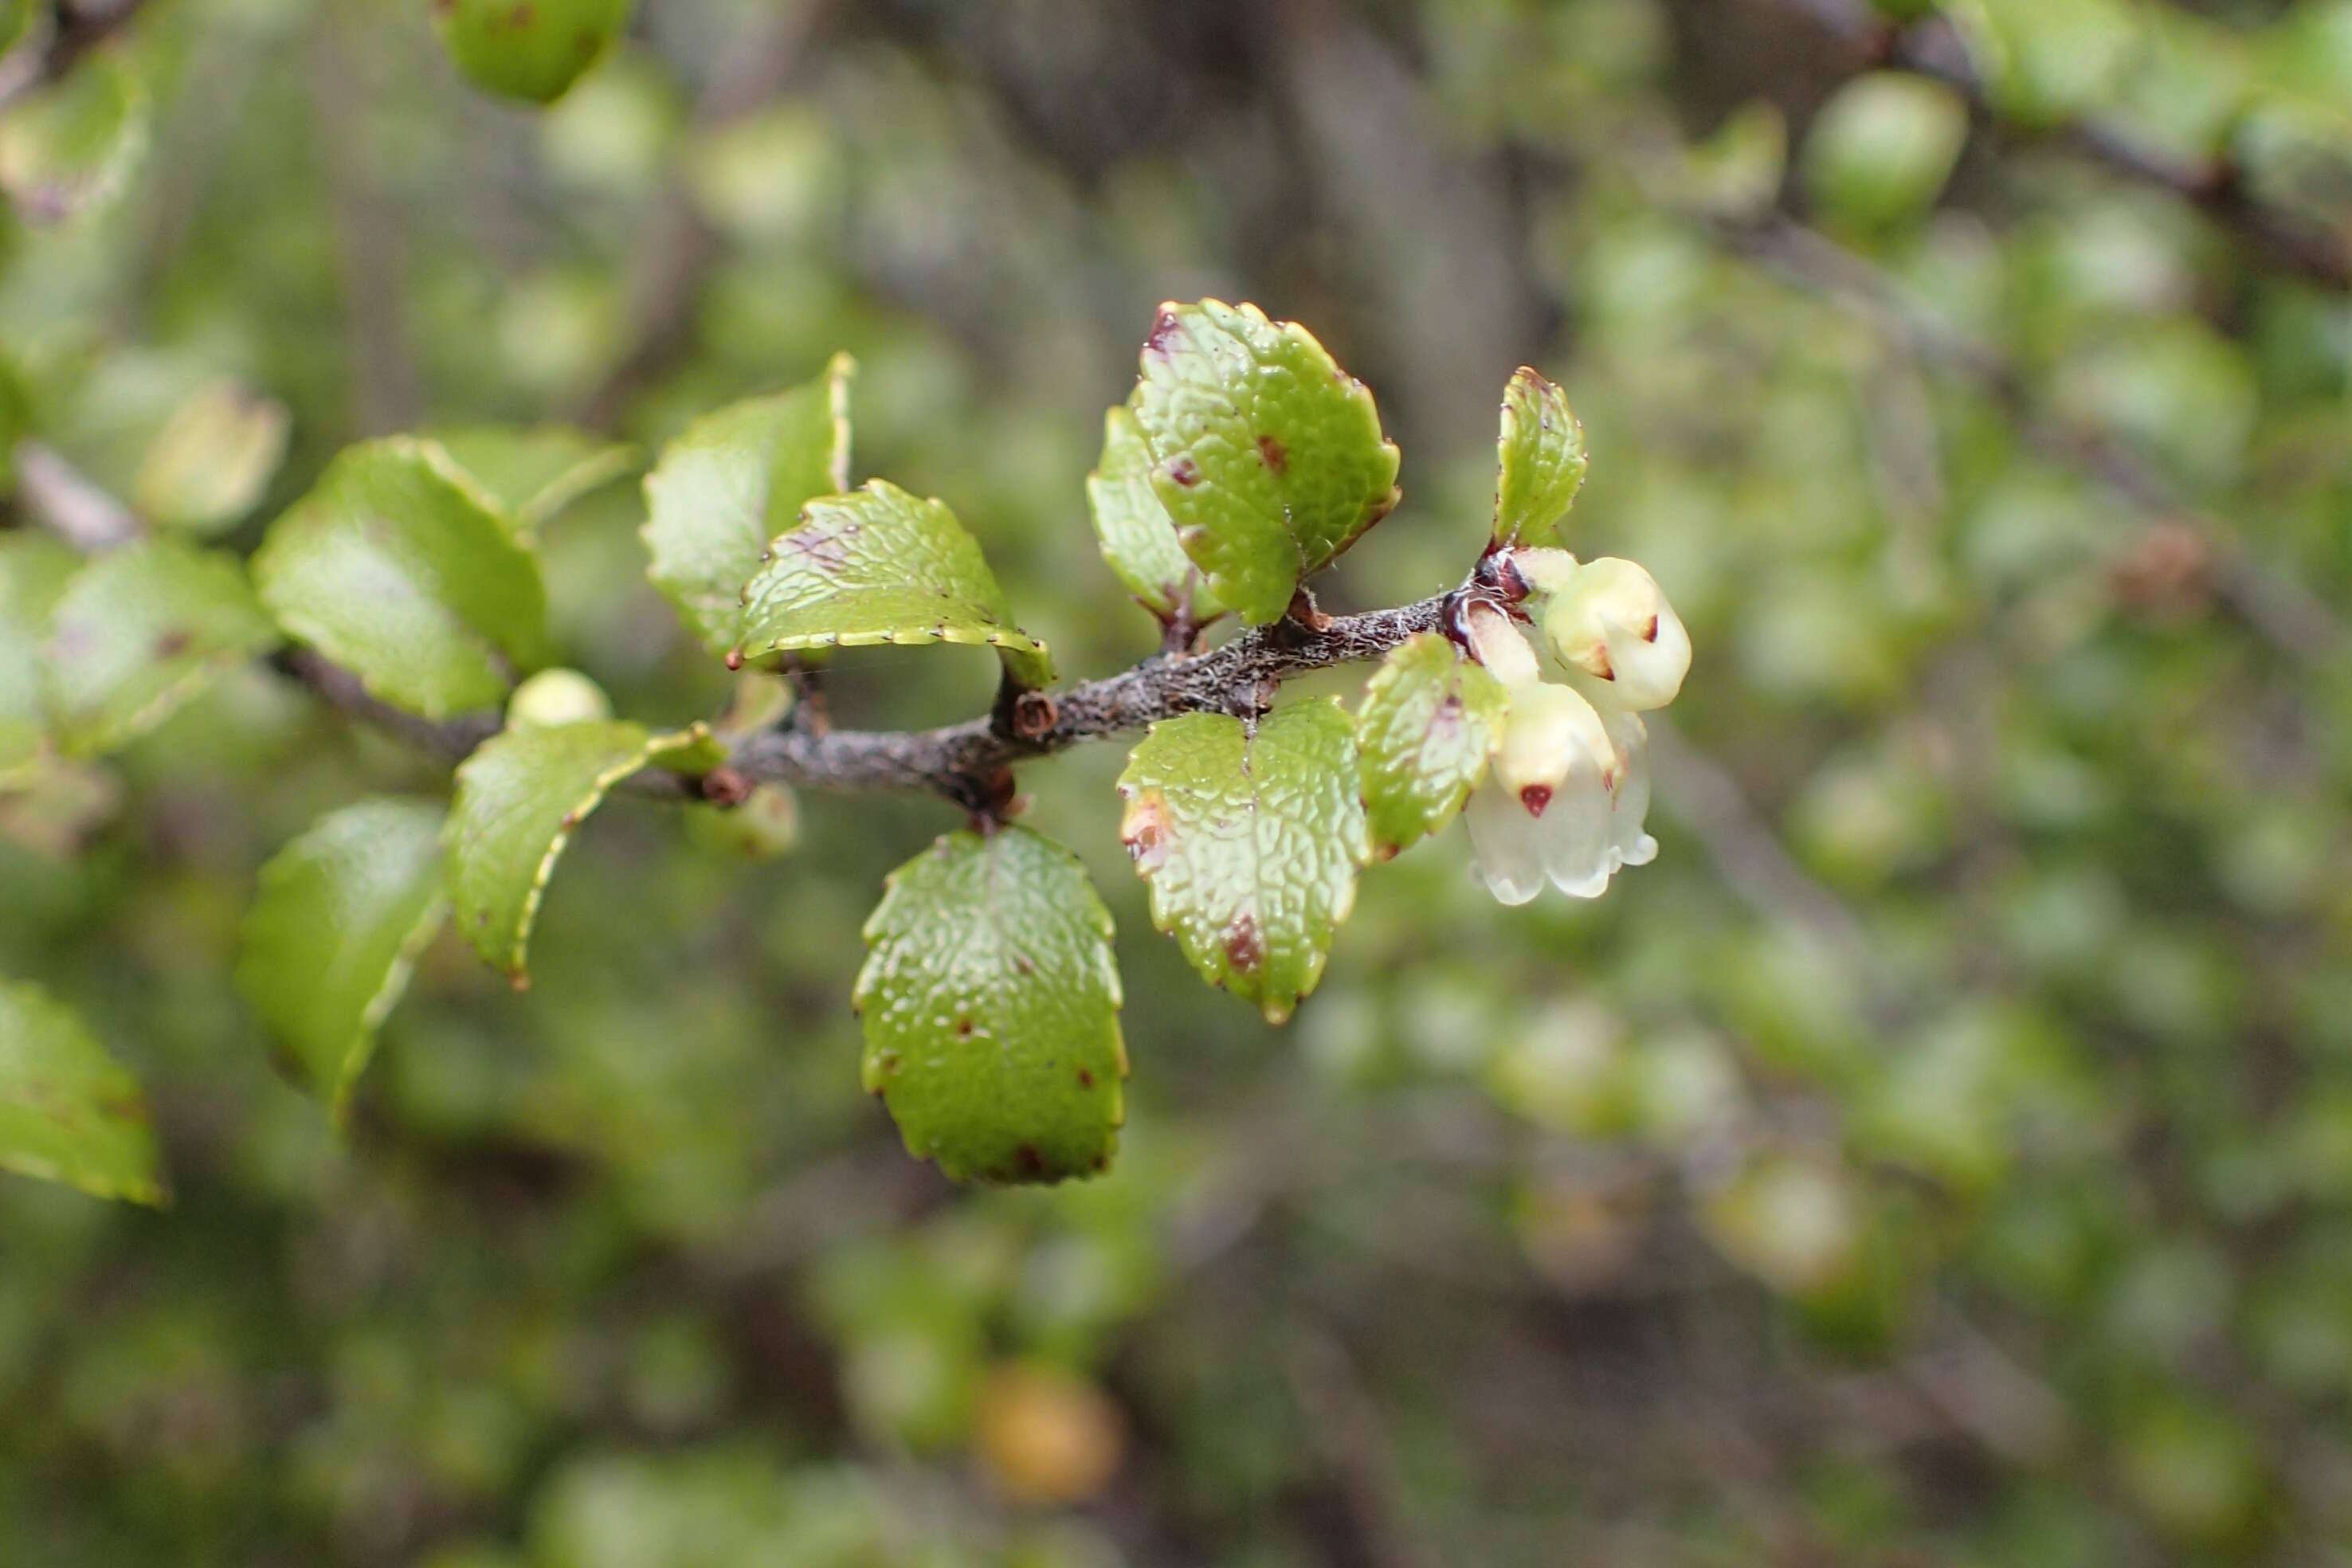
(2282, 611)
(2279, 239)
(1239, 677)
(78, 28)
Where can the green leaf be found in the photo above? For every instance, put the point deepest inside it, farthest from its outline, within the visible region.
(1882, 147)
(733, 482)
(394, 567)
(1431, 720)
(15, 21)
(518, 798)
(878, 565)
(990, 1001)
(214, 457)
(1267, 456)
(528, 49)
(1250, 836)
(140, 630)
(1538, 460)
(532, 475)
(34, 569)
(74, 142)
(2045, 61)
(70, 1112)
(1139, 537)
(340, 914)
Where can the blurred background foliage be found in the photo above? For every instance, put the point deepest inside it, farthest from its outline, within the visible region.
(1942, 1155)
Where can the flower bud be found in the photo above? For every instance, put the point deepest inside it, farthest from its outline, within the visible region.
(1611, 623)
(1499, 647)
(558, 696)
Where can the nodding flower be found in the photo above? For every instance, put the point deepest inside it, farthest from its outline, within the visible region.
(1564, 798)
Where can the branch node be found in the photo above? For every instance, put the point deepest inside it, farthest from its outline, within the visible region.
(725, 787)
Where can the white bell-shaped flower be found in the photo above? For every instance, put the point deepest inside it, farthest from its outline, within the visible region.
(1610, 621)
(1547, 811)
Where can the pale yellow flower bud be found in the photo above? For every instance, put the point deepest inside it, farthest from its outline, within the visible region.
(1613, 623)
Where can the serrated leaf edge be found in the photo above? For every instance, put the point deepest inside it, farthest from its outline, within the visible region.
(514, 965)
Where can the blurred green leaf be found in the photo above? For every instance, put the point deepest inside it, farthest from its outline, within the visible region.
(990, 1001)
(395, 568)
(338, 920)
(210, 463)
(1250, 834)
(1881, 149)
(1539, 460)
(534, 473)
(519, 799)
(1267, 456)
(73, 144)
(34, 569)
(2046, 60)
(1428, 721)
(140, 630)
(70, 1112)
(529, 49)
(734, 480)
(1139, 538)
(880, 566)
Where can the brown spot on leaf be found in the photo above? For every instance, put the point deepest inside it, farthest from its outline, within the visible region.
(1244, 949)
(1022, 965)
(1535, 797)
(1086, 1078)
(1164, 328)
(1030, 1161)
(1273, 451)
(1185, 472)
(822, 548)
(963, 1026)
(1144, 831)
(172, 642)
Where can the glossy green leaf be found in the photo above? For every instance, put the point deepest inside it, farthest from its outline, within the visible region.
(140, 630)
(70, 1112)
(1139, 537)
(394, 567)
(212, 458)
(336, 924)
(1267, 456)
(878, 565)
(1539, 460)
(1430, 721)
(74, 142)
(733, 482)
(990, 1002)
(34, 569)
(532, 475)
(518, 798)
(1250, 836)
